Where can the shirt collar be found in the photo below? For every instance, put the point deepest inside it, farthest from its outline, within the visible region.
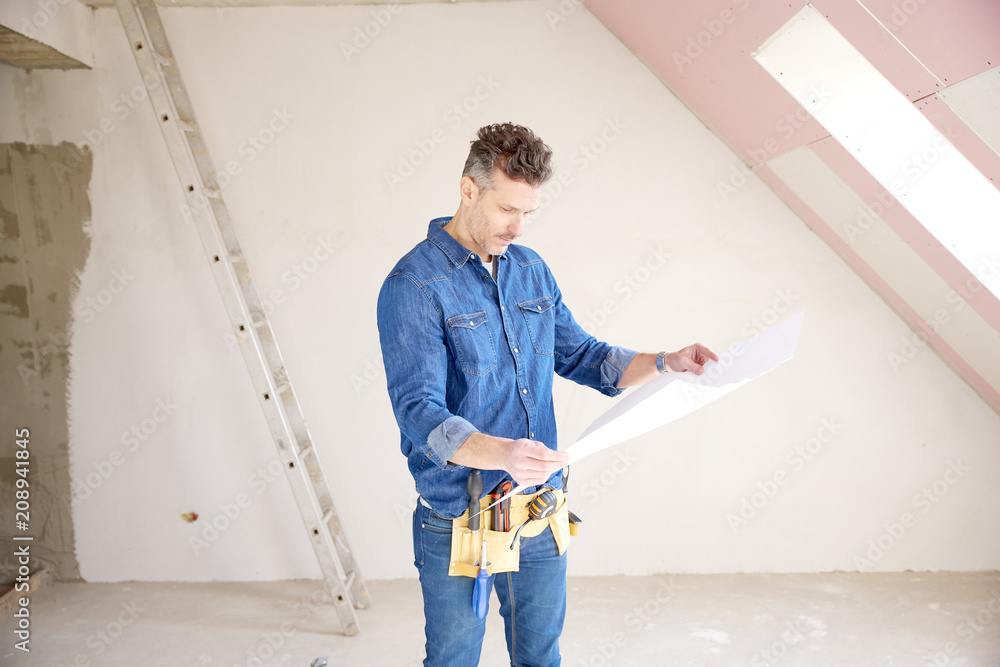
(456, 253)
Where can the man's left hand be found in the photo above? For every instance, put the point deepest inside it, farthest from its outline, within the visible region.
(691, 359)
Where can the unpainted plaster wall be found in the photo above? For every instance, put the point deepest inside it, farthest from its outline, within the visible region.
(43, 246)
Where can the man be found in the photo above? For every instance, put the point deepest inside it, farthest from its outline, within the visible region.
(473, 328)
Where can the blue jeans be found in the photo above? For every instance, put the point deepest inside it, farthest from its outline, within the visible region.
(532, 600)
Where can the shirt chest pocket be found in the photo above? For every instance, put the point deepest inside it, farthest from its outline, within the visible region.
(473, 343)
(540, 319)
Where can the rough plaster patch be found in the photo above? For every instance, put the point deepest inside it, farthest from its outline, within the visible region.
(43, 243)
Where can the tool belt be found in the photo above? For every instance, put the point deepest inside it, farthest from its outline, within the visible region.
(466, 544)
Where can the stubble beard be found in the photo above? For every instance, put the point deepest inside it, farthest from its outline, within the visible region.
(480, 233)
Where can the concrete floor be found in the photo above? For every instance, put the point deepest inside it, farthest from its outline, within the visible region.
(907, 619)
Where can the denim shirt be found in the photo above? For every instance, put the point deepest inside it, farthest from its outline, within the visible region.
(463, 353)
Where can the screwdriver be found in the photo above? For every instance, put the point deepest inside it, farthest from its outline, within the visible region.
(480, 591)
(475, 489)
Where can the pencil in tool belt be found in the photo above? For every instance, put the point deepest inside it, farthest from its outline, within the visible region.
(501, 515)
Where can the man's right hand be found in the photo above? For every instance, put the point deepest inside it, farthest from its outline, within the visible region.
(530, 462)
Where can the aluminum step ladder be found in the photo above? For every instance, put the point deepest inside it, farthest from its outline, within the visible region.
(210, 216)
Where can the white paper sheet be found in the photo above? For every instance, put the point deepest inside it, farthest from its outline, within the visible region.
(674, 395)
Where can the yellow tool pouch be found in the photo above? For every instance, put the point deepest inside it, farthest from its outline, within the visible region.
(466, 544)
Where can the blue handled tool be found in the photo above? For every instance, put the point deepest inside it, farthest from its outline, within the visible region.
(481, 590)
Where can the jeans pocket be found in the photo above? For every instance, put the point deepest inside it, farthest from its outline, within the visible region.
(540, 320)
(431, 535)
(470, 334)
(435, 524)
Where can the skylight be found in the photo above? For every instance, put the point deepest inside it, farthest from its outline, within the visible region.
(886, 133)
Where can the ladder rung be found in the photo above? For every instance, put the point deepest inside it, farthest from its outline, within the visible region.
(351, 576)
(340, 543)
(281, 388)
(327, 516)
(162, 60)
(212, 192)
(258, 324)
(187, 127)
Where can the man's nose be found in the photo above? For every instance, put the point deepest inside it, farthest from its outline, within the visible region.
(517, 228)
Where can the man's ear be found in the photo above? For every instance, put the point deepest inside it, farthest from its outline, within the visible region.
(469, 190)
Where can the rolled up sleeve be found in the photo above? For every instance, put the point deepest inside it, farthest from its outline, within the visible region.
(613, 368)
(449, 436)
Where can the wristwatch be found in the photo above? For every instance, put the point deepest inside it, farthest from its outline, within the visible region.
(659, 363)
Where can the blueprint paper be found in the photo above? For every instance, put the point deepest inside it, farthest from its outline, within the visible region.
(674, 395)
(671, 396)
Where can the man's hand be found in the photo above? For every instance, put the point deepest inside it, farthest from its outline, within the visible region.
(530, 462)
(691, 359)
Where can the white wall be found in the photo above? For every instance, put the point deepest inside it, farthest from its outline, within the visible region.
(658, 504)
